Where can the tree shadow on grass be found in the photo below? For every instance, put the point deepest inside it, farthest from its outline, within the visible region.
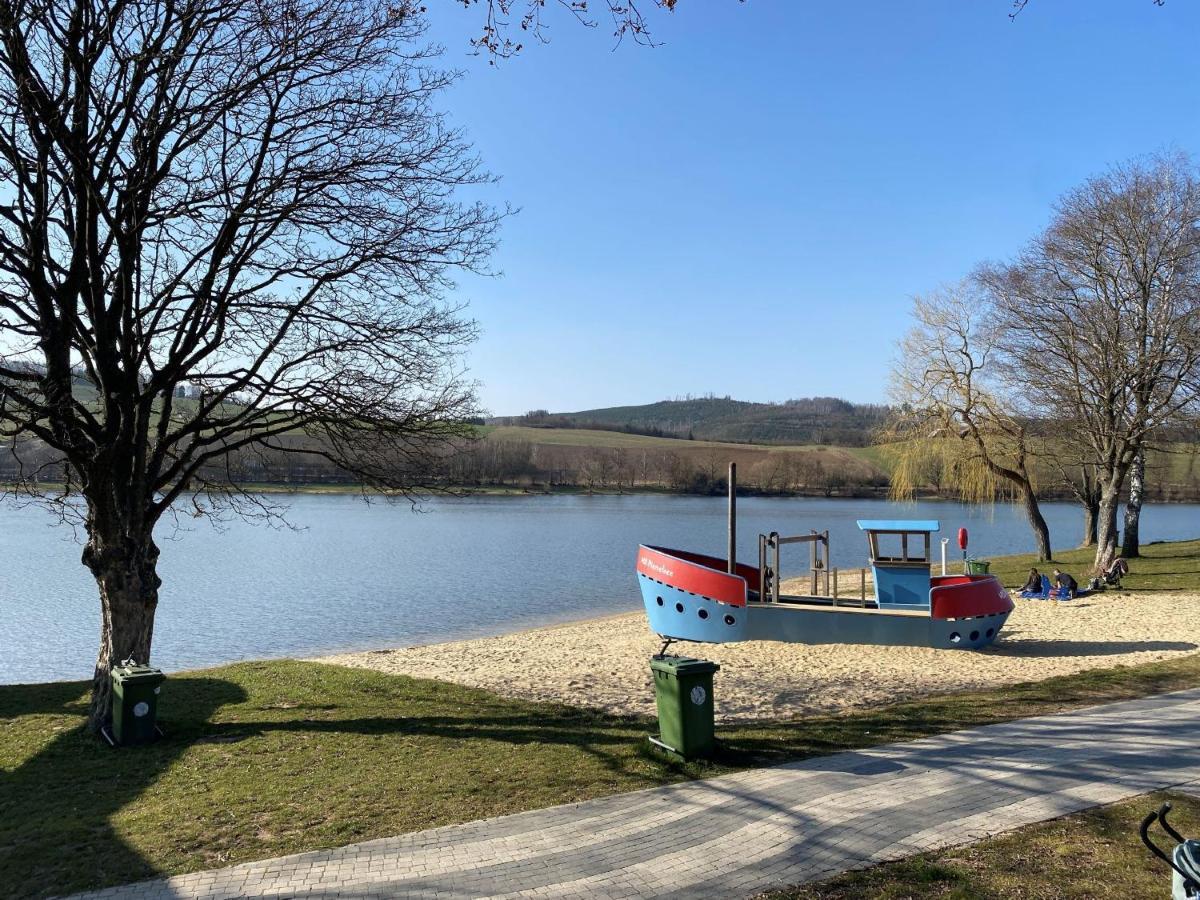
(57, 805)
(65, 795)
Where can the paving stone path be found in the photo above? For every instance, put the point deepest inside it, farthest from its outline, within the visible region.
(740, 834)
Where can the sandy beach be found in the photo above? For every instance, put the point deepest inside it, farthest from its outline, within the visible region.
(604, 662)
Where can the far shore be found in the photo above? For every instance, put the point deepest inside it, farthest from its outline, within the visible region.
(454, 490)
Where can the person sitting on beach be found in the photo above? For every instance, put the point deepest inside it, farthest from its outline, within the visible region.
(1033, 584)
(1067, 585)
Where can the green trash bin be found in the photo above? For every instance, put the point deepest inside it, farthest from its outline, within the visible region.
(978, 566)
(135, 703)
(683, 690)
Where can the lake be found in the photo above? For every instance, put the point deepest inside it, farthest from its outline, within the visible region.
(349, 575)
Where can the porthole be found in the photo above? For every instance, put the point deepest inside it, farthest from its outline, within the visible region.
(991, 631)
(703, 613)
(660, 601)
(729, 620)
(678, 607)
(974, 635)
(955, 637)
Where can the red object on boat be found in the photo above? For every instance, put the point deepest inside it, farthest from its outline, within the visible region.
(962, 539)
(697, 574)
(965, 596)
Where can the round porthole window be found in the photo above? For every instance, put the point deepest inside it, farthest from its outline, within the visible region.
(974, 635)
(703, 613)
(660, 601)
(729, 620)
(991, 631)
(955, 637)
(678, 607)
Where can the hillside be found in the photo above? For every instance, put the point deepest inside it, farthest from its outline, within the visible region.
(814, 420)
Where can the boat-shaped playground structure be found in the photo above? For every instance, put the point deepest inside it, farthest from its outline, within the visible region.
(694, 597)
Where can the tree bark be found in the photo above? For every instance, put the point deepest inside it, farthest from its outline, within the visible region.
(1041, 531)
(1106, 525)
(126, 573)
(1133, 507)
(1091, 513)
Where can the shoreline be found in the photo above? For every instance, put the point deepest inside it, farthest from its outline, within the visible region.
(602, 662)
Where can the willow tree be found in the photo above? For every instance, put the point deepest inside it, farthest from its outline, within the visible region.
(249, 202)
(953, 411)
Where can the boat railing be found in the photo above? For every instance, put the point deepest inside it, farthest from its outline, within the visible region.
(769, 547)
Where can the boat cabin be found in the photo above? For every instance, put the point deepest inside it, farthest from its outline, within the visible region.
(900, 560)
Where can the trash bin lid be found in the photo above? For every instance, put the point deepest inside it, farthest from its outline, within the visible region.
(683, 665)
(137, 673)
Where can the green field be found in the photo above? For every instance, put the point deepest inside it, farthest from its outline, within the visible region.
(585, 437)
(1163, 566)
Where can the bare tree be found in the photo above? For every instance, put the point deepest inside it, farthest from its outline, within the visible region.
(951, 405)
(1101, 317)
(251, 199)
(526, 17)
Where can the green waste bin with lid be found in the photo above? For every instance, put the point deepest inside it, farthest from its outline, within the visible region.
(135, 703)
(683, 690)
(978, 566)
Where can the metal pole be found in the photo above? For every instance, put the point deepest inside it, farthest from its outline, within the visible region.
(733, 518)
(945, 541)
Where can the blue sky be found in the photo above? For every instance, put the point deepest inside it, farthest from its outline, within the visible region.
(748, 208)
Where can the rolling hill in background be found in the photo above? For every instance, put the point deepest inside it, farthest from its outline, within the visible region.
(812, 420)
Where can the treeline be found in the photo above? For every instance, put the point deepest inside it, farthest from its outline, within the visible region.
(530, 465)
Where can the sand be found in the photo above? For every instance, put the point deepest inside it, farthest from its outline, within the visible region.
(604, 662)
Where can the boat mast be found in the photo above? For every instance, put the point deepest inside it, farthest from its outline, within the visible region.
(732, 518)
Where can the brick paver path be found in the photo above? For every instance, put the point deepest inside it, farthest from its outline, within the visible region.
(739, 834)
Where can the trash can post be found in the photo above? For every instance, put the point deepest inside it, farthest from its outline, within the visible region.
(684, 697)
(135, 692)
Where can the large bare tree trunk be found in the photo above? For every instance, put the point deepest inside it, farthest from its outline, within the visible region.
(1106, 525)
(1041, 531)
(1133, 507)
(126, 573)
(1091, 513)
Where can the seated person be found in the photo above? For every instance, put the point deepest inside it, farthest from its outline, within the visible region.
(1067, 585)
(1033, 584)
(1116, 570)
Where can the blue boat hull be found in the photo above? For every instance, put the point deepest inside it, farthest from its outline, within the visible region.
(688, 616)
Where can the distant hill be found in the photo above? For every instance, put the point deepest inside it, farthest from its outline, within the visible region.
(810, 420)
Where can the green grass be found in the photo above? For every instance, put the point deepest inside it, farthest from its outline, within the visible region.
(267, 758)
(1165, 566)
(1092, 854)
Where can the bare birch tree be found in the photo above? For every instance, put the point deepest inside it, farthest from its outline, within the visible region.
(1101, 317)
(950, 405)
(255, 200)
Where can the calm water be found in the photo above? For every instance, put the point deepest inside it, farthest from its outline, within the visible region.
(356, 576)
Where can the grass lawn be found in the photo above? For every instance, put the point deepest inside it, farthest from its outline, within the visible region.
(267, 758)
(1163, 566)
(1092, 854)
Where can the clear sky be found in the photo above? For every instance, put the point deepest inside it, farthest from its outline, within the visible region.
(748, 208)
